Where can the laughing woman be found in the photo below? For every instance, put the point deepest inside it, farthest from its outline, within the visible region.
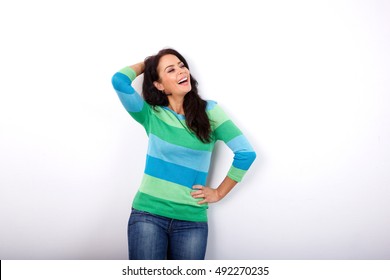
(169, 212)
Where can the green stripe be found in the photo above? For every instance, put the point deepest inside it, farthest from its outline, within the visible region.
(227, 131)
(167, 190)
(142, 116)
(236, 174)
(217, 116)
(129, 72)
(178, 136)
(169, 209)
(169, 118)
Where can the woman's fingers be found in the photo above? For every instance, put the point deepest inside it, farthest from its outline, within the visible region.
(208, 194)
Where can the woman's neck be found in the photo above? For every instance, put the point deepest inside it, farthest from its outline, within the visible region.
(176, 105)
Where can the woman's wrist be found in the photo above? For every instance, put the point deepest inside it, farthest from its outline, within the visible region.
(225, 187)
(138, 68)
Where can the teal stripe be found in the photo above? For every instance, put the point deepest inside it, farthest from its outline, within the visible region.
(174, 173)
(244, 160)
(194, 159)
(122, 83)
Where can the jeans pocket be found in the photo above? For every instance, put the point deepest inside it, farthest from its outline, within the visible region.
(137, 216)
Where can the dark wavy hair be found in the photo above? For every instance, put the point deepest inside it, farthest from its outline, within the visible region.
(194, 106)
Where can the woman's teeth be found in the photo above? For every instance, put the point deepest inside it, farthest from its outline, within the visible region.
(182, 80)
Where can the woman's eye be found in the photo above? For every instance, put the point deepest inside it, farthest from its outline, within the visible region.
(171, 70)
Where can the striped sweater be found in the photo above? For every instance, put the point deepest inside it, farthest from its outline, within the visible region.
(176, 159)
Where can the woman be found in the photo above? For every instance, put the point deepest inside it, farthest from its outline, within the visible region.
(169, 214)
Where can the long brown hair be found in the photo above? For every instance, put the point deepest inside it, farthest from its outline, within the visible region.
(194, 106)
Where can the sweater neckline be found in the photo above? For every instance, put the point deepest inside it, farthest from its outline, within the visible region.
(180, 116)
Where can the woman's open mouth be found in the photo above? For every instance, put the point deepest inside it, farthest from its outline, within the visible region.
(183, 81)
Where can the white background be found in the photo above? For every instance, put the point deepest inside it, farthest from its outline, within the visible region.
(306, 81)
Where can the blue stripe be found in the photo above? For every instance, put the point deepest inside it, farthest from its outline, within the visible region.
(243, 160)
(194, 159)
(133, 103)
(174, 173)
(210, 105)
(129, 97)
(244, 155)
(122, 83)
(240, 143)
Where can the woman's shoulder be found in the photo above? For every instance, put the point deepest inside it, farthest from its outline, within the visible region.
(215, 112)
(210, 105)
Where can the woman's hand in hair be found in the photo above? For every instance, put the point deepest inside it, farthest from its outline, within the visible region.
(139, 68)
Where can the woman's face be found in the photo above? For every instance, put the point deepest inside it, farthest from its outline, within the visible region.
(174, 76)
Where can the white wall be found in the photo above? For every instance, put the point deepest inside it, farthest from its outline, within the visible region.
(307, 82)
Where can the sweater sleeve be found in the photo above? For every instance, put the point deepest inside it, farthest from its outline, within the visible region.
(224, 129)
(130, 98)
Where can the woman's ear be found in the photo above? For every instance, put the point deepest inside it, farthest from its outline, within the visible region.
(158, 85)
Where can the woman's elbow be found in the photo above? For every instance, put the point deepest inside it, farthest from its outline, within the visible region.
(251, 157)
(115, 81)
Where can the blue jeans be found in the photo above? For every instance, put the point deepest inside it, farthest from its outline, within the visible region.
(153, 237)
